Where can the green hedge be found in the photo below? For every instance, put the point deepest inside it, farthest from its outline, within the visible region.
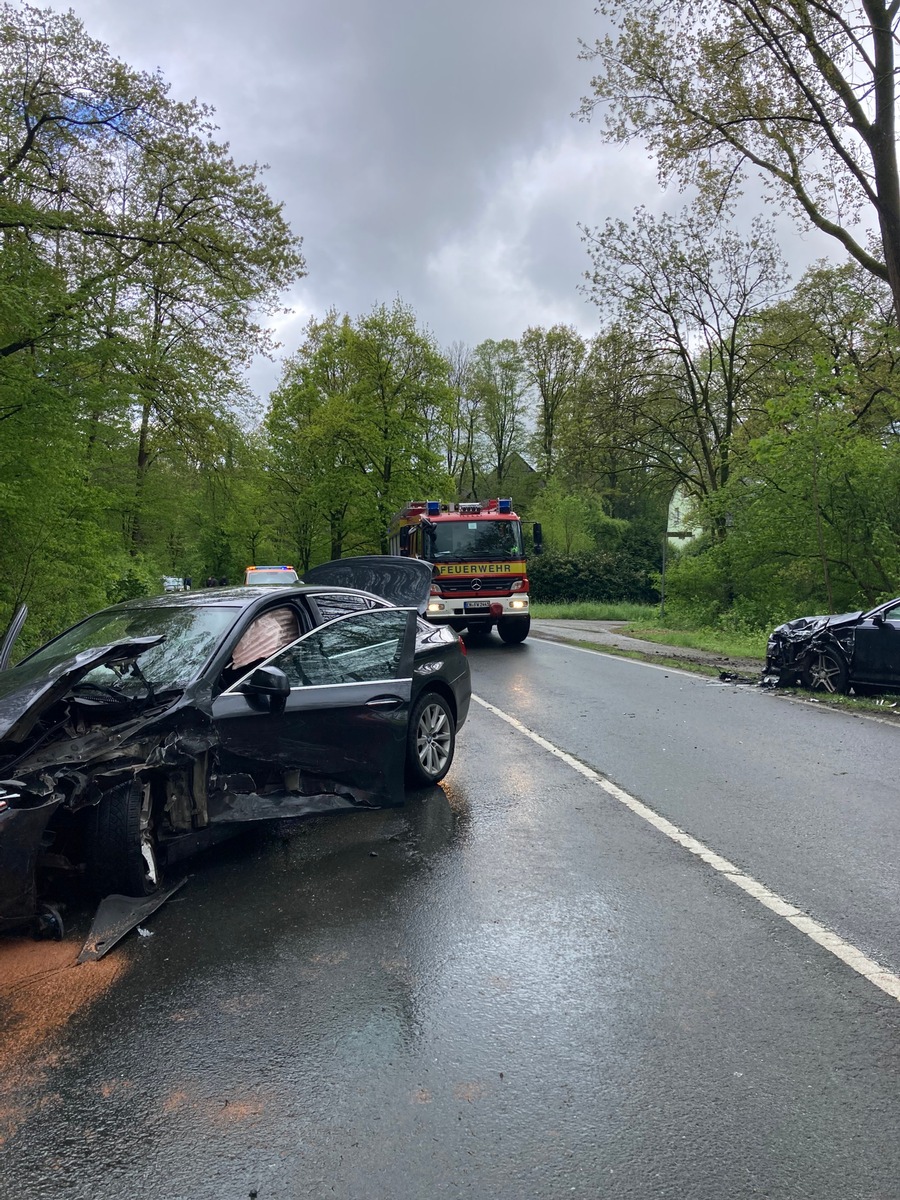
(557, 578)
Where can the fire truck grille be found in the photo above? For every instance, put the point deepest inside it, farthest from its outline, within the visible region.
(486, 587)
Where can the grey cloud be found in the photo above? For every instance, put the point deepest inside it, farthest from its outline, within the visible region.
(421, 147)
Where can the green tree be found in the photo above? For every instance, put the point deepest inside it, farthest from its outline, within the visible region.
(802, 92)
(500, 386)
(400, 390)
(553, 360)
(316, 487)
(691, 292)
(352, 427)
(138, 265)
(574, 522)
(600, 440)
(459, 426)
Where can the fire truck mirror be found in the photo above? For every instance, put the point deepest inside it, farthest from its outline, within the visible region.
(537, 537)
(404, 539)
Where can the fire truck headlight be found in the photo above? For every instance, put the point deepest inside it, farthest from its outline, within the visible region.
(518, 604)
(435, 606)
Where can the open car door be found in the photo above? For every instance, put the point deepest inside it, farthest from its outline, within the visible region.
(327, 717)
(12, 633)
(405, 582)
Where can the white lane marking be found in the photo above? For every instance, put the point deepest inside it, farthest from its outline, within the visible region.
(854, 958)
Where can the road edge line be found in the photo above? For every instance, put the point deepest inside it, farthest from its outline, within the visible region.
(858, 961)
(808, 702)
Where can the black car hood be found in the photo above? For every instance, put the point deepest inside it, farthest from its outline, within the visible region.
(405, 582)
(814, 624)
(21, 703)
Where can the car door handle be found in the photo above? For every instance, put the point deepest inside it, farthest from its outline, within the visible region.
(384, 702)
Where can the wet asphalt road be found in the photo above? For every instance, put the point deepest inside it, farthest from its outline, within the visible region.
(514, 987)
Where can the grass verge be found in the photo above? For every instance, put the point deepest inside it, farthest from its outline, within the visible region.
(716, 641)
(887, 706)
(642, 620)
(590, 610)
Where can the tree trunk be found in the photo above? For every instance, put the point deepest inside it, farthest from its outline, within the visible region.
(336, 525)
(143, 462)
(883, 145)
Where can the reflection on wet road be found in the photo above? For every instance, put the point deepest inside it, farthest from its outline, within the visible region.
(510, 989)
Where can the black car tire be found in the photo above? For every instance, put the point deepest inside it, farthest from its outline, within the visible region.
(49, 924)
(479, 630)
(827, 672)
(513, 629)
(430, 740)
(122, 852)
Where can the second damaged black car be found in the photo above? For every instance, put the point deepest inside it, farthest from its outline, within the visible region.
(155, 726)
(834, 653)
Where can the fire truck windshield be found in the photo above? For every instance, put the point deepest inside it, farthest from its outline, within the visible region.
(479, 539)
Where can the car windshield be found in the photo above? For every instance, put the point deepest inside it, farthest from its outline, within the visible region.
(476, 539)
(190, 636)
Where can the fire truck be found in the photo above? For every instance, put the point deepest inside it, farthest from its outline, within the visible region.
(479, 563)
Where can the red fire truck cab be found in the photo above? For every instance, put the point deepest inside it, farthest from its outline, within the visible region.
(476, 546)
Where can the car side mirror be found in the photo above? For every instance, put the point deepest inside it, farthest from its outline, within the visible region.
(268, 684)
(878, 619)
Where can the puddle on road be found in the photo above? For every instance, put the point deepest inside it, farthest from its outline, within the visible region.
(41, 989)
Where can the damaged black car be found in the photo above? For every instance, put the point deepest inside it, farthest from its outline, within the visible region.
(156, 727)
(834, 653)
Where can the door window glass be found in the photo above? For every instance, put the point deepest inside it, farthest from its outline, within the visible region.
(338, 605)
(359, 648)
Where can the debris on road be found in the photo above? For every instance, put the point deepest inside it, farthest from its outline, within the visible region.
(117, 916)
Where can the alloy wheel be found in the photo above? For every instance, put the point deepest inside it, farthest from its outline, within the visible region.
(433, 739)
(826, 673)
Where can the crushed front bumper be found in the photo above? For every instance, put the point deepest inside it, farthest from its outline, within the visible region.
(21, 831)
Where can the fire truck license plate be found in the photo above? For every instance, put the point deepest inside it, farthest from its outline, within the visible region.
(468, 605)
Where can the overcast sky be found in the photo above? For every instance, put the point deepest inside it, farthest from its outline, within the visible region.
(422, 148)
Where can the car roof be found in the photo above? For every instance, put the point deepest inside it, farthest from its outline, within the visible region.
(236, 597)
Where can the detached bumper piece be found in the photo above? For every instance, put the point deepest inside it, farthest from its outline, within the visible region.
(117, 916)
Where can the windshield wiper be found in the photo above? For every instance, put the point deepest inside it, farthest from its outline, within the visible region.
(136, 670)
(105, 689)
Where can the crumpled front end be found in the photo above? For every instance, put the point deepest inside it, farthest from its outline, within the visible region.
(793, 646)
(65, 768)
(21, 832)
(788, 654)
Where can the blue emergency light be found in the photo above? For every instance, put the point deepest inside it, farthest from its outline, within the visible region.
(434, 508)
(504, 506)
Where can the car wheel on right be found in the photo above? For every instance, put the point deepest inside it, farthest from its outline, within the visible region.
(827, 672)
(431, 740)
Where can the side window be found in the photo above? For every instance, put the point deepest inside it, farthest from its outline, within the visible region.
(264, 636)
(360, 648)
(331, 606)
(893, 613)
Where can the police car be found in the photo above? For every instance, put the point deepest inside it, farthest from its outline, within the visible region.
(279, 576)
